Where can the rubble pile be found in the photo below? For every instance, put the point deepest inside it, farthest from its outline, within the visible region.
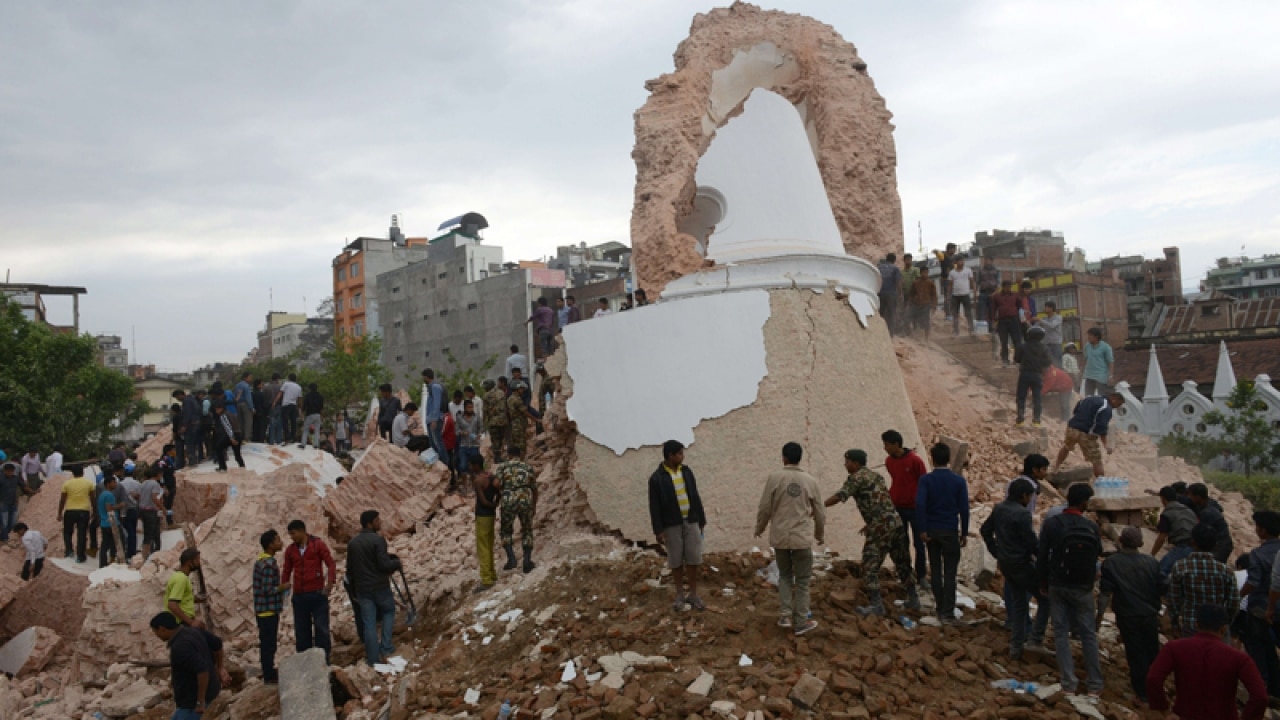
(392, 481)
(153, 447)
(598, 639)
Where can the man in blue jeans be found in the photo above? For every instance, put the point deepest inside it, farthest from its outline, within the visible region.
(942, 514)
(369, 569)
(309, 565)
(1070, 545)
(434, 409)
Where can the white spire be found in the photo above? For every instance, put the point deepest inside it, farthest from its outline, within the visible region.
(1225, 381)
(1155, 389)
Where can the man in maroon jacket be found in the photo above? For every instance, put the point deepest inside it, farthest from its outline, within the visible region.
(310, 565)
(1206, 671)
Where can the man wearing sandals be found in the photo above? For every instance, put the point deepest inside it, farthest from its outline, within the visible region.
(675, 509)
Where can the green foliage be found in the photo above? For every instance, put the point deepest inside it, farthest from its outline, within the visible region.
(1194, 449)
(1261, 490)
(351, 371)
(459, 377)
(1246, 433)
(55, 391)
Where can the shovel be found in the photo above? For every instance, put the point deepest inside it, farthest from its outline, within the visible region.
(405, 597)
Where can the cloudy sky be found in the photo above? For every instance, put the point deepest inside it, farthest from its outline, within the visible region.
(187, 161)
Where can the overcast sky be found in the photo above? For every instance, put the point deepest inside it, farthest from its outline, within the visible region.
(181, 159)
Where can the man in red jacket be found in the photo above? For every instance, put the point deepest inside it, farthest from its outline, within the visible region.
(1206, 671)
(310, 565)
(905, 468)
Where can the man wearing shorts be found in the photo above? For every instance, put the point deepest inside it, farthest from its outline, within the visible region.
(675, 509)
(1088, 429)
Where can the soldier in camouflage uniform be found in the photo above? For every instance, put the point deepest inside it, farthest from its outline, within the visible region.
(883, 531)
(518, 416)
(517, 481)
(495, 418)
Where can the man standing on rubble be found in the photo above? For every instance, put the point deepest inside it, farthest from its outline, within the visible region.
(189, 431)
(495, 417)
(942, 514)
(313, 414)
(1199, 579)
(242, 394)
(1009, 537)
(906, 468)
(1210, 514)
(271, 397)
(388, 408)
(1131, 581)
(433, 399)
(1070, 545)
(268, 603)
(310, 566)
(519, 486)
(75, 507)
(290, 392)
(107, 506)
(792, 504)
(677, 517)
(882, 527)
(369, 567)
(197, 666)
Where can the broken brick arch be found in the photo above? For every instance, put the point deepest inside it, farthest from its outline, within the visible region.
(730, 52)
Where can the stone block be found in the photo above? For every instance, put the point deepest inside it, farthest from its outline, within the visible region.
(1064, 479)
(304, 687)
(959, 452)
(806, 691)
(28, 652)
(702, 684)
(134, 699)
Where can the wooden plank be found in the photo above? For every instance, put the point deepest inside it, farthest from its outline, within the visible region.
(189, 537)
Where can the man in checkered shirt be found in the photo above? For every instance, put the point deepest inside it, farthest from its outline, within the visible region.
(1199, 579)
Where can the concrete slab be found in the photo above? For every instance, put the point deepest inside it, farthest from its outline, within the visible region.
(304, 687)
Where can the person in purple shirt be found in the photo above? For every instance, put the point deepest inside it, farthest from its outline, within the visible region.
(942, 514)
(544, 325)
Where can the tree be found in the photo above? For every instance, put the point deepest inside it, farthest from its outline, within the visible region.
(351, 370)
(1246, 434)
(55, 391)
(315, 338)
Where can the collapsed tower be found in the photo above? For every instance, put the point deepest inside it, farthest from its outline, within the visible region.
(765, 178)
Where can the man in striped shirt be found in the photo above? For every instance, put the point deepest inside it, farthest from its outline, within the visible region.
(268, 603)
(1198, 579)
(675, 509)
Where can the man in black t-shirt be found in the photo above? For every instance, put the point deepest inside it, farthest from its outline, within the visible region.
(196, 665)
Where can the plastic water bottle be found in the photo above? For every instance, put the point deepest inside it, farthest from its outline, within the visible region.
(505, 712)
(233, 493)
(1030, 687)
(1006, 684)
(1124, 487)
(907, 622)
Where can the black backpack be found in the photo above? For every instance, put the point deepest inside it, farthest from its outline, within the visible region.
(1076, 555)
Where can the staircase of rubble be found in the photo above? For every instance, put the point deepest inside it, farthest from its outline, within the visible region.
(980, 353)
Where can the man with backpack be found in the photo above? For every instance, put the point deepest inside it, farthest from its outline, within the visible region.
(1070, 545)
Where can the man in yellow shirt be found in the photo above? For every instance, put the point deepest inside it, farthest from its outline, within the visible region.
(675, 510)
(75, 506)
(179, 596)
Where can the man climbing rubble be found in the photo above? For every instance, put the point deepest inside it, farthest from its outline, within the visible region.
(369, 568)
(197, 665)
(1088, 428)
(792, 504)
(882, 528)
(518, 483)
(675, 510)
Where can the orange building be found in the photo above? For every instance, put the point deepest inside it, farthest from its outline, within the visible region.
(355, 274)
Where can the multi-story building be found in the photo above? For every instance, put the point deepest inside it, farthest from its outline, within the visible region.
(461, 305)
(584, 265)
(1015, 253)
(158, 392)
(271, 332)
(355, 273)
(1084, 300)
(1245, 278)
(111, 354)
(30, 299)
(1148, 283)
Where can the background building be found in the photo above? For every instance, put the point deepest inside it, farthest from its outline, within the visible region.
(355, 273)
(1245, 278)
(158, 392)
(1084, 300)
(111, 354)
(1017, 252)
(30, 298)
(1148, 284)
(463, 302)
(585, 265)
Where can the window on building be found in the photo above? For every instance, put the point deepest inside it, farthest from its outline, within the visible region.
(355, 300)
(426, 317)
(462, 270)
(1260, 274)
(475, 346)
(355, 269)
(397, 323)
(358, 330)
(399, 358)
(472, 306)
(337, 305)
(426, 354)
(395, 289)
(445, 351)
(443, 275)
(1210, 310)
(1159, 284)
(444, 312)
(342, 274)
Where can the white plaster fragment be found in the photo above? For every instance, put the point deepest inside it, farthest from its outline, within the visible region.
(725, 332)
